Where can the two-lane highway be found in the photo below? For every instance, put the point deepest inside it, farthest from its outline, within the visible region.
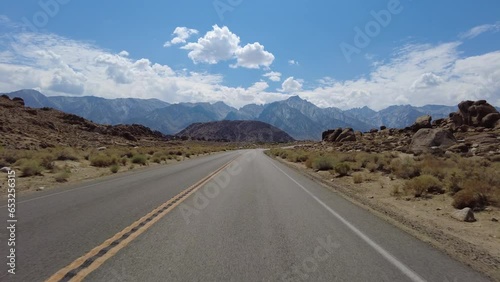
(56, 227)
(255, 220)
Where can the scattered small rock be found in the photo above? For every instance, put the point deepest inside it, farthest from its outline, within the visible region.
(465, 215)
(494, 220)
(40, 188)
(438, 209)
(101, 148)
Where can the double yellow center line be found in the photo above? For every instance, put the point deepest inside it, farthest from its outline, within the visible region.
(83, 266)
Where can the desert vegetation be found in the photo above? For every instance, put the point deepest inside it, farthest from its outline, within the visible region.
(62, 164)
(471, 181)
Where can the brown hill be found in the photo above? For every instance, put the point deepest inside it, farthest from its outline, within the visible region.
(236, 131)
(28, 128)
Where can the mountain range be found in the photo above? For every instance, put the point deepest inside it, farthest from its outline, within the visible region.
(299, 118)
(236, 131)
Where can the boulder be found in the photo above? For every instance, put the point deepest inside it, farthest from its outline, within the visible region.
(18, 100)
(438, 122)
(490, 120)
(425, 139)
(347, 135)
(465, 215)
(422, 122)
(339, 135)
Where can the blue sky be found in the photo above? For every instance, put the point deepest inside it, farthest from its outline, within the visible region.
(240, 51)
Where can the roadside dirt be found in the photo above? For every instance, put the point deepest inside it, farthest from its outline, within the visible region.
(476, 244)
(81, 171)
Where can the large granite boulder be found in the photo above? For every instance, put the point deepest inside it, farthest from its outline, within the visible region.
(426, 140)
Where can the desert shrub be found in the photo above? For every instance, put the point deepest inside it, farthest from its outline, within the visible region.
(405, 168)
(309, 163)
(62, 176)
(31, 168)
(298, 157)
(47, 161)
(364, 159)
(128, 154)
(102, 160)
(351, 158)
(66, 154)
(469, 198)
(357, 178)
(139, 159)
(422, 185)
(10, 156)
(372, 167)
(396, 190)
(114, 168)
(342, 169)
(455, 181)
(434, 166)
(323, 163)
(124, 161)
(283, 154)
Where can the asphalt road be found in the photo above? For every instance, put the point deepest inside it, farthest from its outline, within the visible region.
(256, 220)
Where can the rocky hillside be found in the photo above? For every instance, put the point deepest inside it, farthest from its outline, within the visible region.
(235, 131)
(29, 128)
(474, 130)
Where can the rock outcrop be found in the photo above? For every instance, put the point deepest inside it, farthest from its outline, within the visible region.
(426, 140)
(340, 135)
(477, 114)
(422, 122)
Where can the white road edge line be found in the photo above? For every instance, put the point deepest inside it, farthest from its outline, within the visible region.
(393, 260)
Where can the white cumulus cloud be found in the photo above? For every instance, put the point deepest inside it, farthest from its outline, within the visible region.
(217, 45)
(427, 80)
(181, 35)
(220, 44)
(290, 85)
(273, 76)
(253, 56)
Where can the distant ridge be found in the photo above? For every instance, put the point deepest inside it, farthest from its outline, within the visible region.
(300, 118)
(235, 131)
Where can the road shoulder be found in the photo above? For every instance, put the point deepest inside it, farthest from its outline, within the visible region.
(476, 257)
